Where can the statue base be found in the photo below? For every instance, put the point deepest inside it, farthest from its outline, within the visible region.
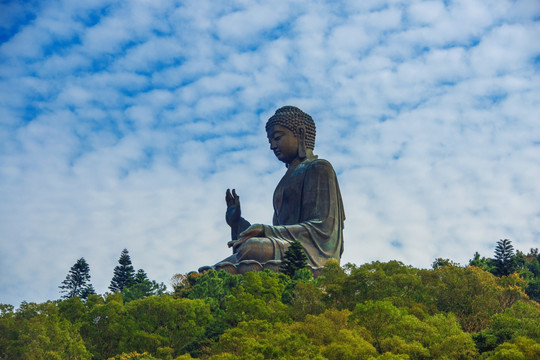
(252, 265)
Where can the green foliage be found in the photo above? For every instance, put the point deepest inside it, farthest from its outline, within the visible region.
(72, 309)
(337, 337)
(323, 329)
(482, 263)
(213, 287)
(486, 294)
(332, 281)
(520, 349)
(378, 318)
(257, 297)
(105, 329)
(259, 339)
(348, 344)
(521, 320)
(295, 259)
(36, 331)
(533, 289)
(306, 299)
(133, 356)
(506, 263)
(392, 281)
(157, 325)
(395, 331)
(123, 273)
(77, 282)
(440, 262)
(142, 287)
(380, 310)
(162, 321)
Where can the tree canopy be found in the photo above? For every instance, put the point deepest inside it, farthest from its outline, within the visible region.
(375, 311)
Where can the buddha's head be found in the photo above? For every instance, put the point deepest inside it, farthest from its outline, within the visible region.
(291, 133)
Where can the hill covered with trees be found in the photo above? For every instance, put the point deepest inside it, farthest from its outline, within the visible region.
(380, 310)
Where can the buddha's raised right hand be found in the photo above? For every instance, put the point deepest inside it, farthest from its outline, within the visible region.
(233, 214)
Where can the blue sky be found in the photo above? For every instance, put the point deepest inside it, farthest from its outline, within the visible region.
(123, 123)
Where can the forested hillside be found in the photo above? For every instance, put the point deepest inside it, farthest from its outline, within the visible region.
(373, 311)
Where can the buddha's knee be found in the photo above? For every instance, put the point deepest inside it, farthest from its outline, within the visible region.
(259, 249)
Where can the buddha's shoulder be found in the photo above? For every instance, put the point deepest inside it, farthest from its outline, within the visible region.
(320, 165)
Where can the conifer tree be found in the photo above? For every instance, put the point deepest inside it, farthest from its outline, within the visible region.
(141, 277)
(504, 258)
(142, 287)
(123, 273)
(77, 282)
(295, 259)
(88, 290)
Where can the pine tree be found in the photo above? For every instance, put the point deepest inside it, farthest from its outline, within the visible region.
(142, 287)
(123, 273)
(295, 259)
(88, 290)
(77, 282)
(504, 258)
(141, 277)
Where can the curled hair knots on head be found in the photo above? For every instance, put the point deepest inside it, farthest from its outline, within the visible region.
(292, 118)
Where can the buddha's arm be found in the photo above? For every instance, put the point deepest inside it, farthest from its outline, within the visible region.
(233, 214)
(240, 226)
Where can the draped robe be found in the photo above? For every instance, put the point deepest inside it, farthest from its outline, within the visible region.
(308, 208)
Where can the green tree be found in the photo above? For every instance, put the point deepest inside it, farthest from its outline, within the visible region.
(258, 339)
(134, 356)
(349, 344)
(333, 283)
(142, 287)
(106, 327)
(440, 262)
(504, 258)
(483, 263)
(123, 273)
(295, 259)
(392, 281)
(378, 318)
(307, 299)
(73, 309)
(335, 335)
(521, 349)
(472, 294)
(521, 320)
(397, 332)
(36, 331)
(532, 263)
(163, 324)
(213, 287)
(243, 305)
(77, 282)
(533, 289)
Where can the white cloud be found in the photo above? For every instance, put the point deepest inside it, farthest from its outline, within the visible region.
(427, 12)
(245, 26)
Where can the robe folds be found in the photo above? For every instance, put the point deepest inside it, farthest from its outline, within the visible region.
(308, 208)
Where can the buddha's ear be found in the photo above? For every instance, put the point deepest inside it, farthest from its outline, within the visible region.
(301, 142)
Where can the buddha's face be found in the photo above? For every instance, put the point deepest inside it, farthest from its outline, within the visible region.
(283, 143)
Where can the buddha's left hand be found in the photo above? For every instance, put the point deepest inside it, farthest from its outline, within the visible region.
(255, 230)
